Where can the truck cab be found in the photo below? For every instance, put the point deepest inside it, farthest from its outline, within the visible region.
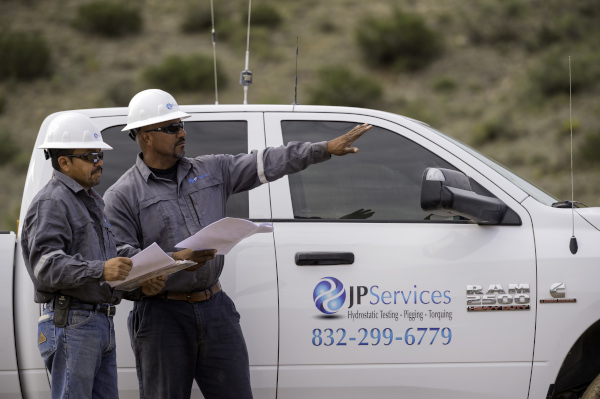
(362, 289)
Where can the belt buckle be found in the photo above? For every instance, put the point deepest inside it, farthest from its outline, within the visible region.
(188, 297)
(109, 310)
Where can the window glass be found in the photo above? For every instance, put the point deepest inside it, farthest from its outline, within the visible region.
(535, 192)
(203, 138)
(380, 183)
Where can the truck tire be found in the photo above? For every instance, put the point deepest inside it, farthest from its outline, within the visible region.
(593, 390)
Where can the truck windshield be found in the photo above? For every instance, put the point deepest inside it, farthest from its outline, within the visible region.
(524, 185)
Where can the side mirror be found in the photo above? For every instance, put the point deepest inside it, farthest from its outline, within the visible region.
(446, 192)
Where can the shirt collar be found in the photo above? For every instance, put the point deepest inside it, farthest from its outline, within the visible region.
(146, 172)
(142, 167)
(67, 181)
(73, 185)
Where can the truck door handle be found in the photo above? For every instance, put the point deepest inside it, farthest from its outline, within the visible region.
(324, 258)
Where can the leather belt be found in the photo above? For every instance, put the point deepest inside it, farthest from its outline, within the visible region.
(191, 297)
(109, 310)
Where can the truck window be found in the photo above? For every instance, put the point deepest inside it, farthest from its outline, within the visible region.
(203, 138)
(380, 183)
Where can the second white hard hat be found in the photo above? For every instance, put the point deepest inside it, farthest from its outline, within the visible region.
(73, 130)
(152, 106)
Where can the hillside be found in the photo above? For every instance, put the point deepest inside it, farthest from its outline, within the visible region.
(493, 74)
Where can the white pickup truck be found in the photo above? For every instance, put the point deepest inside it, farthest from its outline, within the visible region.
(417, 268)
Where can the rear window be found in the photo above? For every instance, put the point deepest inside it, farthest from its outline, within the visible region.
(203, 138)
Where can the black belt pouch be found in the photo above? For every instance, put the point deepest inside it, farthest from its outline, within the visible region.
(62, 303)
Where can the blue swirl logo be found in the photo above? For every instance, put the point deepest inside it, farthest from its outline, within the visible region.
(329, 295)
(169, 106)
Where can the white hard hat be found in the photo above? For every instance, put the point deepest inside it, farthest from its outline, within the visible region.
(152, 106)
(73, 130)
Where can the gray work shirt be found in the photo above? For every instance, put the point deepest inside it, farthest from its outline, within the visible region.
(144, 208)
(65, 239)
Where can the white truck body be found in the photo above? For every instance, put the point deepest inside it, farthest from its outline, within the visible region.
(411, 335)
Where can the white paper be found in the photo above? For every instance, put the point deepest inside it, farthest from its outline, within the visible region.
(224, 234)
(149, 263)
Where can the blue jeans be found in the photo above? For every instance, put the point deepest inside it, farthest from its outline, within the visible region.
(81, 357)
(176, 342)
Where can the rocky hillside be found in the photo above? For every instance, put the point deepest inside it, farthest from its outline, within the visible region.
(491, 73)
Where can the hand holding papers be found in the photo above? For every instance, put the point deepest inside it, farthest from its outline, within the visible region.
(151, 262)
(223, 235)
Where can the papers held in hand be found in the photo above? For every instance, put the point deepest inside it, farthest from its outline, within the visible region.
(223, 235)
(151, 262)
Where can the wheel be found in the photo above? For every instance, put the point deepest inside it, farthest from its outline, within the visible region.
(593, 390)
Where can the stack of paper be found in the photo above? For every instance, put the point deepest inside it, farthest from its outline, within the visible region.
(223, 235)
(151, 262)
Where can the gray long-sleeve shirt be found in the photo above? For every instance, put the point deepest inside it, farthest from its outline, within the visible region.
(144, 208)
(65, 239)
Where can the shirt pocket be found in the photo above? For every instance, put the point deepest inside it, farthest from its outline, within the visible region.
(111, 242)
(206, 199)
(158, 217)
(85, 238)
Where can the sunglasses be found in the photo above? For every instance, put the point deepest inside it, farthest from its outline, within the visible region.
(90, 156)
(171, 128)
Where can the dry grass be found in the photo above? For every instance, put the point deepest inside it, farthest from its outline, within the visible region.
(490, 80)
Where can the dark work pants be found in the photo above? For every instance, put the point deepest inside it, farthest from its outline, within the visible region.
(176, 342)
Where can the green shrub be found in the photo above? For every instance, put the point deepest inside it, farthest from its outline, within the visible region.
(198, 19)
(493, 130)
(262, 15)
(565, 128)
(444, 84)
(189, 73)
(402, 41)
(120, 93)
(589, 149)
(339, 86)
(10, 217)
(562, 28)
(326, 25)
(551, 76)
(108, 18)
(8, 147)
(2, 103)
(24, 56)
(498, 23)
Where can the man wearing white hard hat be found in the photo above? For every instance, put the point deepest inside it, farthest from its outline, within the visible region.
(190, 330)
(69, 251)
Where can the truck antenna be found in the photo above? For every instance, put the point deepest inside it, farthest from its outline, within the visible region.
(246, 75)
(573, 243)
(214, 43)
(296, 81)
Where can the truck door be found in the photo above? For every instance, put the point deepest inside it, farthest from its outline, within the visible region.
(373, 291)
(249, 275)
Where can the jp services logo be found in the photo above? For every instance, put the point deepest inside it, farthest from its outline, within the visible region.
(329, 295)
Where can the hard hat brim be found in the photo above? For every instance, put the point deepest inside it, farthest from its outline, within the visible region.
(157, 119)
(75, 145)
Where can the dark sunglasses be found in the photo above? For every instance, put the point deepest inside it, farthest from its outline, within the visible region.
(90, 156)
(171, 128)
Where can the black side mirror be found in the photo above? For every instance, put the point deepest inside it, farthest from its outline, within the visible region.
(447, 192)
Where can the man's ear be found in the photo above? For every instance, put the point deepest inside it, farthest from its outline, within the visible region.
(145, 138)
(64, 163)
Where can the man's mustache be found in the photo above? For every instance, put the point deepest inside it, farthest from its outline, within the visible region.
(99, 168)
